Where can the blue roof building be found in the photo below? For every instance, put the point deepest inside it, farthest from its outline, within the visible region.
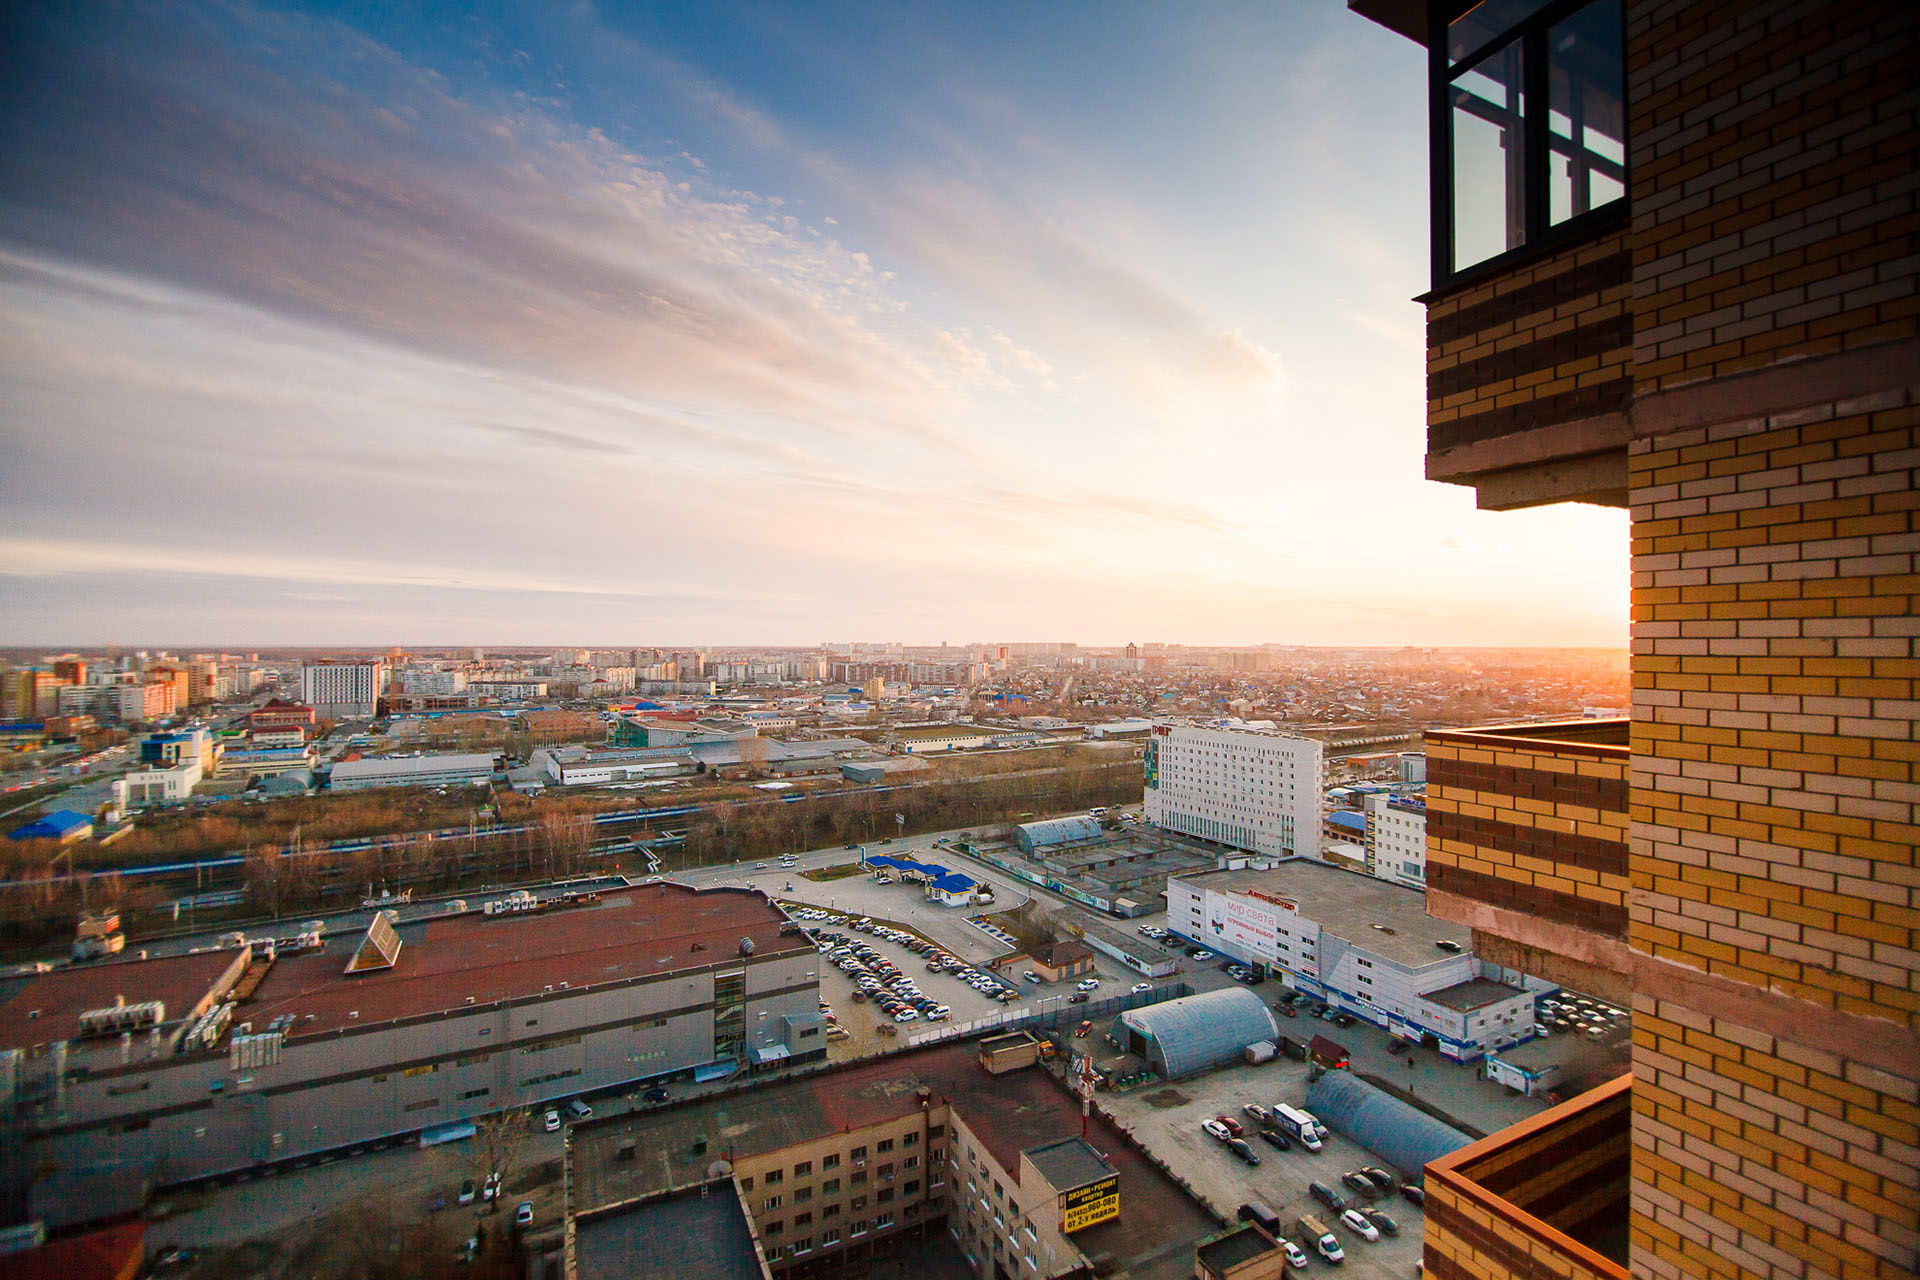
(63, 825)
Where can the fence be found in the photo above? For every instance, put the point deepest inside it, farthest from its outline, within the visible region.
(1051, 1014)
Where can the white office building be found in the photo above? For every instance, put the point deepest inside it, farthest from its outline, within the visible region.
(1397, 840)
(342, 690)
(1252, 788)
(1361, 945)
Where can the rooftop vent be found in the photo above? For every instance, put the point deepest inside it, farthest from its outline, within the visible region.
(746, 946)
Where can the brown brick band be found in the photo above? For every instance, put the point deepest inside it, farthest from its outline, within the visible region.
(1565, 848)
(1611, 396)
(1609, 794)
(1583, 913)
(1541, 295)
(1595, 340)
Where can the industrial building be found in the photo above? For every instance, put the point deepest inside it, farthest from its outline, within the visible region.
(832, 1172)
(1361, 945)
(1197, 1033)
(183, 1067)
(1121, 873)
(454, 769)
(1247, 787)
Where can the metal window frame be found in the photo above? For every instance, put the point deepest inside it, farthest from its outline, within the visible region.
(1540, 234)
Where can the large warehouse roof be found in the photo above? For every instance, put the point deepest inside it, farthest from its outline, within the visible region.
(1197, 1032)
(1403, 1136)
(1034, 835)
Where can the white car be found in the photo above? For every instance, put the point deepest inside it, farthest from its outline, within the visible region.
(1296, 1256)
(1089, 984)
(1258, 1112)
(552, 1122)
(1356, 1222)
(1138, 987)
(1216, 1129)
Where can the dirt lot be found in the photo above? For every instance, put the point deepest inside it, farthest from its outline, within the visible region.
(1165, 1118)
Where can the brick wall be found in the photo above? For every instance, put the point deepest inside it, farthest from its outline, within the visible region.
(1533, 826)
(1543, 343)
(1776, 896)
(1520, 1204)
(1774, 147)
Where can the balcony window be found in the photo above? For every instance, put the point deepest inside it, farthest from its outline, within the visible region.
(1529, 127)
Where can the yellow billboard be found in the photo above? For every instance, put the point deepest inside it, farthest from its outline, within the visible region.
(1095, 1202)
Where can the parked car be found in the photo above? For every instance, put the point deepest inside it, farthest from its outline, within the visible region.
(1381, 1178)
(1138, 987)
(467, 1192)
(1078, 997)
(1296, 1256)
(1275, 1138)
(1327, 1196)
(1415, 1196)
(1361, 1183)
(1082, 1030)
(1356, 1222)
(1087, 984)
(579, 1110)
(1260, 1114)
(1216, 1129)
(1032, 977)
(523, 1215)
(1231, 1125)
(1240, 1148)
(551, 1122)
(1386, 1225)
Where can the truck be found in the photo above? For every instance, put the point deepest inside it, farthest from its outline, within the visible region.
(1324, 1242)
(1307, 1130)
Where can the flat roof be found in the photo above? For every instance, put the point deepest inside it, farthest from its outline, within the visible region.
(1475, 993)
(689, 1234)
(1236, 1247)
(1386, 919)
(41, 1008)
(391, 766)
(627, 934)
(1068, 1162)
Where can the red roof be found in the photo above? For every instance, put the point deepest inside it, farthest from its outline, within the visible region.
(111, 1253)
(630, 934)
(47, 1007)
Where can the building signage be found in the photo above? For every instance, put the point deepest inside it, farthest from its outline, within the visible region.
(1094, 1203)
(1250, 930)
(1287, 904)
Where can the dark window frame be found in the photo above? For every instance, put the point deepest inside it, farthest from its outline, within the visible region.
(1541, 235)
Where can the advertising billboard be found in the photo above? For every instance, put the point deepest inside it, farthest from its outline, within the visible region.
(1095, 1202)
(1250, 930)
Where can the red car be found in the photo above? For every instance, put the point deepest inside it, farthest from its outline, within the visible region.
(1083, 1029)
(1231, 1125)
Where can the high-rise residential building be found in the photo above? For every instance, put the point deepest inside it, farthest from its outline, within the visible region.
(145, 703)
(70, 670)
(1252, 789)
(342, 689)
(1674, 271)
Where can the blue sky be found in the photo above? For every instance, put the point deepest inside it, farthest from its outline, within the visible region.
(751, 324)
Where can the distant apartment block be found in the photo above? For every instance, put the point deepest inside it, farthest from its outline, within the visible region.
(1397, 839)
(342, 690)
(145, 703)
(1251, 788)
(1674, 271)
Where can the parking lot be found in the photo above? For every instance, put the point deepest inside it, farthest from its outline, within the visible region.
(1166, 1120)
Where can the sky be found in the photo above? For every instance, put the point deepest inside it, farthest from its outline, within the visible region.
(735, 324)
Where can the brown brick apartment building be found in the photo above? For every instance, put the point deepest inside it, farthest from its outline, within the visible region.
(1674, 265)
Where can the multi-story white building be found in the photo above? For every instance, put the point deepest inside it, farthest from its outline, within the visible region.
(342, 689)
(145, 703)
(1397, 840)
(1361, 945)
(1252, 788)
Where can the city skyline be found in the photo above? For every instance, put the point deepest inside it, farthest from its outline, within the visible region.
(326, 329)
